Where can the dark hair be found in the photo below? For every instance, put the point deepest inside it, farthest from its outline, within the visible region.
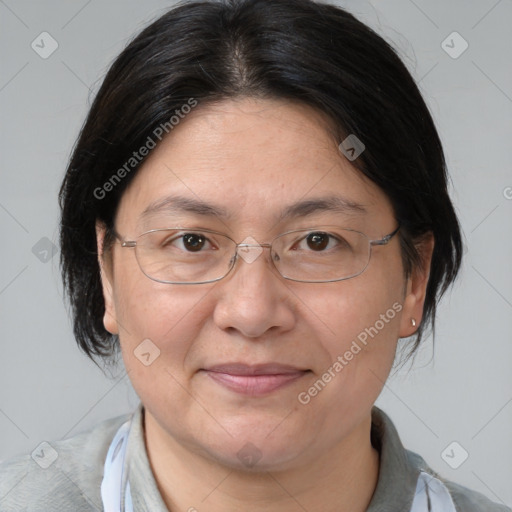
(300, 50)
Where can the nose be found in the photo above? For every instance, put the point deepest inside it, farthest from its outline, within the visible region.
(253, 298)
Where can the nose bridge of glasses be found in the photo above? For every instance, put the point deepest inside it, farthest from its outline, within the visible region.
(250, 249)
(243, 244)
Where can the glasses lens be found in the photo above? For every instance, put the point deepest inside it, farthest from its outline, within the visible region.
(184, 256)
(324, 254)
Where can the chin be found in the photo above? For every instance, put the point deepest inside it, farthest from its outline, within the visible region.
(252, 449)
(252, 458)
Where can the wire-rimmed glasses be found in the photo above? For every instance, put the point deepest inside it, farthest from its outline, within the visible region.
(321, 254)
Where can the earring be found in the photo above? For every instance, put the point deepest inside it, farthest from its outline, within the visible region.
(413, 322)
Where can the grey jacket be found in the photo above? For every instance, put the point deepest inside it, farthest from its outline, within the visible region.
(66, 475)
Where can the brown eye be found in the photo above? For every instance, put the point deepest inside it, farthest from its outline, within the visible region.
(193, 242)
(318, 241)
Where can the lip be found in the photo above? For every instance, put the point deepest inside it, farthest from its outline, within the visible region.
(254, 380)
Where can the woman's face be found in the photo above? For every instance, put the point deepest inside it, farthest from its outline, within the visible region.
(252, 160)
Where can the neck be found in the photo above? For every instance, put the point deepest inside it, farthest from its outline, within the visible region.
(341, 480)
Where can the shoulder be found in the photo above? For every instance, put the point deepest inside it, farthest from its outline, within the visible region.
(464, 499)
(467, 500)
(406, 480)
(62, 475)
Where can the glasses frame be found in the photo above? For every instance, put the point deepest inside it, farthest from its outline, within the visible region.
(133, 244)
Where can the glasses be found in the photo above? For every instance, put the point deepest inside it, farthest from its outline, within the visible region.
(322, 254)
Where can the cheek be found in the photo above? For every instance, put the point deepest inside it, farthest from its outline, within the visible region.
(362, 319)
(160, 324)
(357, 309)
(170, 316)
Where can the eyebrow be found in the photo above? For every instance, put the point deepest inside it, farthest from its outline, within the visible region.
(179, 204)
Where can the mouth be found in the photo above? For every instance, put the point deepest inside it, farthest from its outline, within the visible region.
(254, 380)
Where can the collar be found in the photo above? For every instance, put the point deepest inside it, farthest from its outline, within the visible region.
(398, 468)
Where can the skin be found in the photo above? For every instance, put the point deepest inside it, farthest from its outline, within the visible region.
(254, 157)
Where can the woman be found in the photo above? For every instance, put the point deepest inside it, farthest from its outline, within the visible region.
(255, 211)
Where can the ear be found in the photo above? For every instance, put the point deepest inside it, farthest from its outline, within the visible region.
(416, 288)
(105, 260)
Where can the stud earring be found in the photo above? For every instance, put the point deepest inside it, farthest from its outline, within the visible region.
(413, 322)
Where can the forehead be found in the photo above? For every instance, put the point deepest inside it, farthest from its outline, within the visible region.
(252, 161)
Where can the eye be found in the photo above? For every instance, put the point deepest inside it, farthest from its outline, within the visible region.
(318, 241)
(193, 242)
(190, 242)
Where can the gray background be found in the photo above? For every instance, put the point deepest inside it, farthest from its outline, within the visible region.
(49, 390)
